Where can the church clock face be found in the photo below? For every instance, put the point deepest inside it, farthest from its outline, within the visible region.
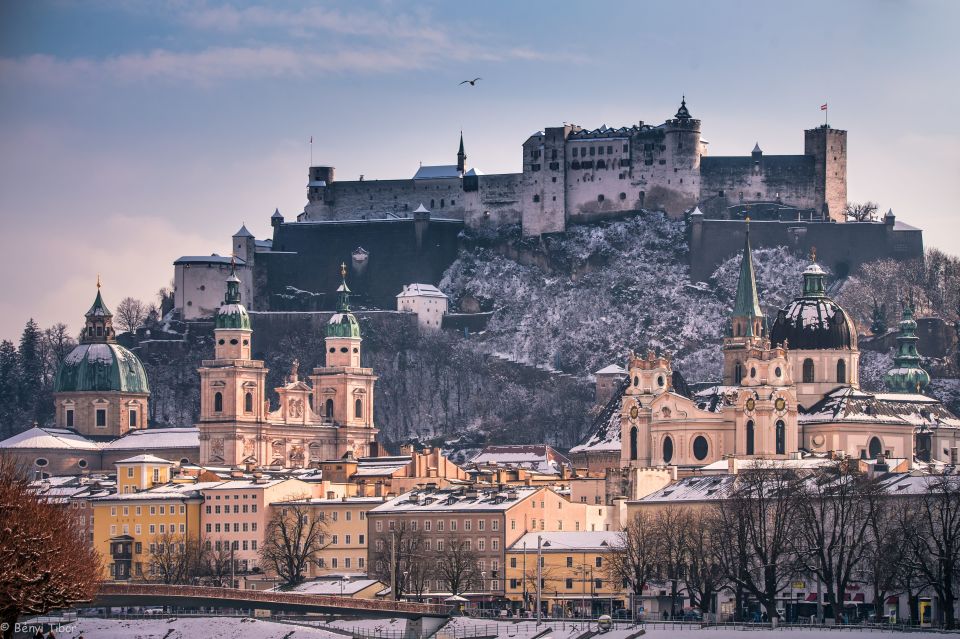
(751, 404)
(634, 411)
(780, 404)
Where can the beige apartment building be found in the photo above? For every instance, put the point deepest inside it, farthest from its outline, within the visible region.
(236, 512)
(487, 520)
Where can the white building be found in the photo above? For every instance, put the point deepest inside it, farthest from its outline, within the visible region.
(427, 301)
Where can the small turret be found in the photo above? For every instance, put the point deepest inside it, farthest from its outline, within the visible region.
(343, 330)
(683, 113)
(99, 322)
(232, 327)
(276, 219)
(907, 376)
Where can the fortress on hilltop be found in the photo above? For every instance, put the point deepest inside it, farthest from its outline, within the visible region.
(394, 232)
(571, 175)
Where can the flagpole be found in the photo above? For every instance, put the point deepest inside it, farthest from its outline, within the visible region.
(826, 119)
(311, 150)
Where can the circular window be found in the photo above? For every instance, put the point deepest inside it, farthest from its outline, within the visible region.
(753, 372)
(700, 447)
(344, 349)
(623, 196)
(246, 342)
(184, 460)
(356, 350)
(333, 350)
(778, 372)
(234, 342)
(667, 449)
(780, 404)
(634, 411)
(751, 403)
(660, 380)
(82, 463)
(202, 287)
(40, 461)
(221, 342)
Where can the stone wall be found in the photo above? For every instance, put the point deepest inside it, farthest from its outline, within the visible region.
(841, 247)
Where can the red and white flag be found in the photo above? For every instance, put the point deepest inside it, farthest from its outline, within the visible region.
(823, 107)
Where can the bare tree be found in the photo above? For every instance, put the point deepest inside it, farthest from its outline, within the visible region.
(634, 560)
(834, 516)
(671, 530)
(130, 314)
(292, 541)
(861, 212)
(936, 542)
(755, 526)
(887, 543)
(396, 555)
(704, 576)
(456, 566)
(46, 562)
(176, 559)
(219, 558)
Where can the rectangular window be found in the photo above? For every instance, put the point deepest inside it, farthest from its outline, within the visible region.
(467, 525)
(156, 475)
(101, 418)
(253, 526)
(439, 545)
(253, 545)
(569, 562)
(599, 562)
(495, 544)
(209, 528)
(183, 528)
(208, 509)
(137, 529)
(346, 539)
(217, 527)
(69, 418)
(245, 543)
(245, 507)
(513, 562)
(163, 528)
(113, 511)
(253, 508)
(480, 524)
(361, 540)
(130, 472)
(569, 583)
(379, 526)
(439, 525)
(453, 525)
(217, 509)
(333, 562)
(481, 544)
(236, 509)
(347, 515)
(113, 530)
(138, 548)
(426, 526)
(153, 529)
(335, 540)
(163, 510)
(153, 510)
(360, 562)
(133, 419)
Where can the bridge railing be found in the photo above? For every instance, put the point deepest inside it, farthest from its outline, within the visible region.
(276, 597)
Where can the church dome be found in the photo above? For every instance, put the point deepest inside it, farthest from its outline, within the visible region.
(101, 367)
(343, 325)
(813, 321)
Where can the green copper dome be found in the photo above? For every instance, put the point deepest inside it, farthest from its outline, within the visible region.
(343, 323)
(101, 367)
(232, 313)
(907, 376)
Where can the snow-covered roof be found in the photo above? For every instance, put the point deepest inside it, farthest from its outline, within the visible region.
(139, 459)
(348, 501)
(537, 457)
(379, 470)
(421, 290)
(243, 232)
(148, 438)
(714, 398)
(474, 172)
(852, 405)
(346, 587)
(605, 430)
(692, 489)
(421, 209)
(612, 369)
(723, 465)
(436, 172)
(567, 541)
(208, 259)
(247, 484)
(166, 491)
(49, 438)
(457, 500)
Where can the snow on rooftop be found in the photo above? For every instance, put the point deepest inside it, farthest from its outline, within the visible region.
(457, 500)
(612, 369)
(421, 290)
(153, 459)
(52, 438)
(157, 438)
(437, 171)
(562, 541)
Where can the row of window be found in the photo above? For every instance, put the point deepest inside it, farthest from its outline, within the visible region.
(153, 510)
(237, 508)
(335, 514)
(428, 544)
(347, 540)
(236, 527)
(334, 562)
(153, 529)
(467, 524)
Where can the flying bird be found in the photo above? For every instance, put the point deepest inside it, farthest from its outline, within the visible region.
(473, 82)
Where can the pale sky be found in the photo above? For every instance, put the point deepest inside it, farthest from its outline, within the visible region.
(135, 132)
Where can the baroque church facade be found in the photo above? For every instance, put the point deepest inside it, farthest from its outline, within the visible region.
(787, 391)
(326, 416)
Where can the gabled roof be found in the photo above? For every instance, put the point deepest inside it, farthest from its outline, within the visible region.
(243, 232)
(422, 290)
(140, 459)
(151, 438)
(605, 540)
(612, 369)
(436, 172)
(49, 438)
(851, 405)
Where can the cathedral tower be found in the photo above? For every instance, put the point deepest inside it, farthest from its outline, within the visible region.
(747, 328)
(461, 158)
(828, 147)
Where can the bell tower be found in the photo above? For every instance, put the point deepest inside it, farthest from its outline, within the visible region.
(747, 329)
(343, 388)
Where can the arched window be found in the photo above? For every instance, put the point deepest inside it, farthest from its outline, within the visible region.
(218, 402)
(358, 408)
(750, 437)
(700, 448)
(248, 402)
(667, 449)
(737, 373)
(633, 443)
(329, 408)
(781, 437)
(875, 447)
(841, 371)
(808, 371)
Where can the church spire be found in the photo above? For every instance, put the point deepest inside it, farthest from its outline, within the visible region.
(746, 307)
(99, 321)
(813, 277)
(907, 376)
(343, 290)
(461, 157)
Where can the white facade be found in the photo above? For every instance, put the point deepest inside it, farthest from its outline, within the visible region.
(200, 282)
(427, 301)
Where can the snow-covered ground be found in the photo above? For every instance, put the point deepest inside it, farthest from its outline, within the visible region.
(190, 628)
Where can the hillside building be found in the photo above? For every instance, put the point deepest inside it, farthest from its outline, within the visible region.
(427, 302)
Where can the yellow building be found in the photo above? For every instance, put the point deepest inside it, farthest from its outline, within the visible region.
(345, 534)
(576, 573)
(146, 511)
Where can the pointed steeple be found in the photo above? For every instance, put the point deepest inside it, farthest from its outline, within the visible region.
(907, 376)
(682, 112)
(746, 306)
(99, 321)
(343, 323)
(232, 314)
(461, 157)
(343, 290)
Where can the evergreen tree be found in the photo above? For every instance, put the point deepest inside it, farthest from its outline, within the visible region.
(11, 415)
(878, 325)
(35, 380)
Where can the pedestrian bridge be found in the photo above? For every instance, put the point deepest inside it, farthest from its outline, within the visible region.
(424, 619)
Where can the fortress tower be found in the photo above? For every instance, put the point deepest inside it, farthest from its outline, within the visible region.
(828, 147)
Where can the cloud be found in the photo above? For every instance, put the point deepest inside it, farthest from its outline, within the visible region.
(340, 43)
